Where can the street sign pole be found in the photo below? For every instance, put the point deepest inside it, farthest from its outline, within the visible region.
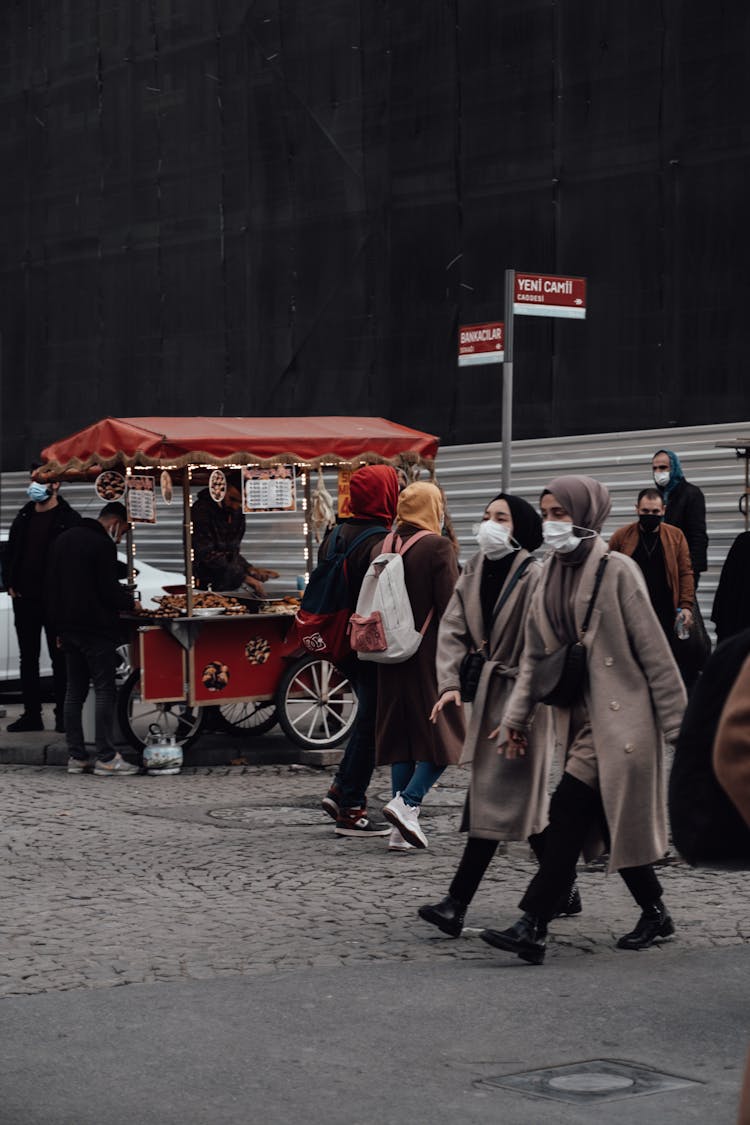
(507, 428)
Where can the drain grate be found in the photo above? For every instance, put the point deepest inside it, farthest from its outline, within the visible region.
(596, 1080)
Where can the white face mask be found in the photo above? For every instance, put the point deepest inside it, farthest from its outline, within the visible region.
(661, 478)
(558, 535)
(494, 540)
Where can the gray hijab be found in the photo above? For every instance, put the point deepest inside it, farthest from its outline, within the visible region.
(588, 502)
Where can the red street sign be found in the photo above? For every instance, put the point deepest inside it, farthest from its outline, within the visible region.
(538, 294)
(481, 343)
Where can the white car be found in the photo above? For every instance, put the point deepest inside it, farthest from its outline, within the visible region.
(150, 584)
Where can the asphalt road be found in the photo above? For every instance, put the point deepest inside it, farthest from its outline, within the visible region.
(202, 949)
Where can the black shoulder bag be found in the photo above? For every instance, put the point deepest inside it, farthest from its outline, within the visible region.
(557, 679)
(473, 662)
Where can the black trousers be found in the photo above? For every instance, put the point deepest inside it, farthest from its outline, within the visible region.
(471, 870)
(574, 810)
(30, 621)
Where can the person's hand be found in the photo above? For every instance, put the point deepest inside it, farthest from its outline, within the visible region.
(514, 746)
(687, 617)
(254, 584)
(12, 592)
(445, 698)
(262, 574)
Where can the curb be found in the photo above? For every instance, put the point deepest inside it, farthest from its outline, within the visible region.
(35, 750)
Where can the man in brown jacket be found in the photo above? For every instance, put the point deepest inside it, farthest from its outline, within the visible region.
(661, 552)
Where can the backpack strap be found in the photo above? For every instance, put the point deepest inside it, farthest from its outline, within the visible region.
(366, 534)
(402, 548)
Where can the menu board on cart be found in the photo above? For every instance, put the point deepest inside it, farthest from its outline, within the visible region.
(269, 490)
(141, 499)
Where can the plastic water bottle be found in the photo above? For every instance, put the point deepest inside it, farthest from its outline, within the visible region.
(680, 626)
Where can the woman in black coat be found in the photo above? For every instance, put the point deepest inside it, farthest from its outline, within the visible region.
(731, 612)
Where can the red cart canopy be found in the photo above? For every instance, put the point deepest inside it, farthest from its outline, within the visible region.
(174, 442)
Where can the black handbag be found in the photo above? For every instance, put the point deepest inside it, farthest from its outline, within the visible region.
(469, 673)
(471, 666)
(692, 653)
(558, 679)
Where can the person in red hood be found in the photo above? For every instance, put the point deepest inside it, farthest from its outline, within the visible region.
(373, 503)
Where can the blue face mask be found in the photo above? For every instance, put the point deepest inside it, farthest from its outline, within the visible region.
(38, 492)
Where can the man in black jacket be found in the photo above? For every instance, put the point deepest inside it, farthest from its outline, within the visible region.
(86, 599)
(32, 534)
(685, 506)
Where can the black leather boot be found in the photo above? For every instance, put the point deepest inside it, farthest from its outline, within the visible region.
(448, 915)
(653, 923)
(526, 939)
(570, 903)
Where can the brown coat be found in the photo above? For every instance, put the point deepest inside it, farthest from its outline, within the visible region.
(407, 691)
(732, 744)
(679, 568)
(633, 694)
(507, 800)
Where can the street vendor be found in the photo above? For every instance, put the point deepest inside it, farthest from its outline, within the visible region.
(218, 530)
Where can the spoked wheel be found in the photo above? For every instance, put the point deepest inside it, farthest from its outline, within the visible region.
(136, 716)
(253, 717)
(316, 703)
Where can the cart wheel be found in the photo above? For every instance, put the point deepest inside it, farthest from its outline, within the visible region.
(316, 703)
(136, 716)
(250, 718)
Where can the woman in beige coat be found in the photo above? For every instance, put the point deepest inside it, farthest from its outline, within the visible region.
(506, 800)
(612, 789)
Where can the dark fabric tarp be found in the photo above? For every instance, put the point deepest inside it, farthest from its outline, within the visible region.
(290, 208)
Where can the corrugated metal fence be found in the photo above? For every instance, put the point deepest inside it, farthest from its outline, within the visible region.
(470, 475)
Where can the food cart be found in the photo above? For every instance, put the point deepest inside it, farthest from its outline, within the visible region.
(238, 657)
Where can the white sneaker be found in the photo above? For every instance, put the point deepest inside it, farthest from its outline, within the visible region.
(397, 843)
(115, 767)
(79, 765)
(406, 819)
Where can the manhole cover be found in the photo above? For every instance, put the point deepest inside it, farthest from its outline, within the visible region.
(596, 1080)
(271, 817)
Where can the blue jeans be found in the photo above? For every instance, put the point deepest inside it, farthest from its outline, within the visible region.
(355, 769)
(89, 658)
(414, 780)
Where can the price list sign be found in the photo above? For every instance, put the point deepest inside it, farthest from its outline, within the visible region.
(141, 499)
(269, 490)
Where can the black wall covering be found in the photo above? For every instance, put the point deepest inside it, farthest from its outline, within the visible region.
(289, 206)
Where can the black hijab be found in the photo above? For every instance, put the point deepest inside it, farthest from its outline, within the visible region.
(527, 530)
(527, 523)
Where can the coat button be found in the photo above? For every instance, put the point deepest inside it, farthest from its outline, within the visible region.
(608, 661)
(629, 747)
(614, 705)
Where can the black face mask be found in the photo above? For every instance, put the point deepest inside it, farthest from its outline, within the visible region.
(650, 523)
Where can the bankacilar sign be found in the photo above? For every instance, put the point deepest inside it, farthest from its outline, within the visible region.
(538, 294)
(481, 343)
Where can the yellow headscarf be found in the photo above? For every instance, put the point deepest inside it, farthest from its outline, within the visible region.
(421, 504)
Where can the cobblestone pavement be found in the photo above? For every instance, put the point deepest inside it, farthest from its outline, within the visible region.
(107, 882)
